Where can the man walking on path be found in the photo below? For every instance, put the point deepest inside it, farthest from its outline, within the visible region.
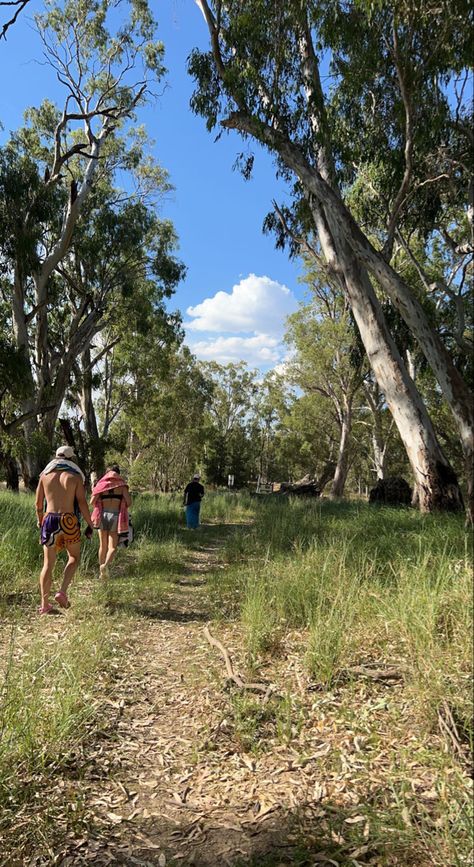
(193, 494)
(61, 484)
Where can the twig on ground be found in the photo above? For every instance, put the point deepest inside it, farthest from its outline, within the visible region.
(375, 673)
(266, 689)
(448, 727)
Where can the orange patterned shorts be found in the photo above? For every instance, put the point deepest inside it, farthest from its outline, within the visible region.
(60, 530)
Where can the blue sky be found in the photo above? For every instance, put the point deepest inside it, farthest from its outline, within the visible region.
(238, 288)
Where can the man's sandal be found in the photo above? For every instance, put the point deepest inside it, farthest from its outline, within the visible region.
(62, 599)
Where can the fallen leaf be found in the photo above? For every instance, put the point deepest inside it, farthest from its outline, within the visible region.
(115, 818)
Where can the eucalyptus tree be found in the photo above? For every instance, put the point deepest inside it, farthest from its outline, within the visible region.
(158, 408)
(106, 64)
(262, 77)
(121, 264)
(327, 360)
(228, 450)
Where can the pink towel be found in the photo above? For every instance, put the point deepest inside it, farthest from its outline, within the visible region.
(108, 482)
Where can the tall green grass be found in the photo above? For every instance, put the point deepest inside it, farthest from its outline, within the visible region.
(362, 585)
(365, 583)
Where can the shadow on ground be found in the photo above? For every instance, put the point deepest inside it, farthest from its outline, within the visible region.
(315, 834)
(157, 612)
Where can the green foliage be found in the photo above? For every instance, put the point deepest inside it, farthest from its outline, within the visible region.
(233, 389)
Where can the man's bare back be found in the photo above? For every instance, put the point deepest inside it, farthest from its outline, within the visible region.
(60, 490)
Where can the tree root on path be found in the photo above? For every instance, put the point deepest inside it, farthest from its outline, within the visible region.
(266, 689)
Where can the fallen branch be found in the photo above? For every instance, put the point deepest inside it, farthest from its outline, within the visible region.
(266, 689)
(375, 673)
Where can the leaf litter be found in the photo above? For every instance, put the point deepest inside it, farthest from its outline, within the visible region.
(169, 778)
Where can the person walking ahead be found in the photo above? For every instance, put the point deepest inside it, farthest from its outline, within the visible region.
(193, 494)
(111, 501)
(61, 484)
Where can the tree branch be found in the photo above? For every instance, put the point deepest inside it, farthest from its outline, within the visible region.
(20, 4)
(402, 192)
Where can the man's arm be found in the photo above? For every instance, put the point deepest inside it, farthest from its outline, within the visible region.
(39, 503)
(82, 503)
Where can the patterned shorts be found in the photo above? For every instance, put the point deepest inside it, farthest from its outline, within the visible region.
(60, 530)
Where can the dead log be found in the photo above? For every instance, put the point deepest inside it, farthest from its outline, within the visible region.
(305, 487)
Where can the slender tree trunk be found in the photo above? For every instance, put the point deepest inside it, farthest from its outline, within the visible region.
(11, 471)
(342, 466)
(379, 441)
(95, 442)
(379, 451)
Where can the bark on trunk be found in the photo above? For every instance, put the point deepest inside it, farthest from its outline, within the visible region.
(342, 466)
(95, 442)
(453, 386)
(11, 471)
(326, 475)
(379, 450)
(435, 480)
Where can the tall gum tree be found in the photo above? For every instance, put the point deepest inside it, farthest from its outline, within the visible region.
(262, 75)
(328, 361)
(107, 72)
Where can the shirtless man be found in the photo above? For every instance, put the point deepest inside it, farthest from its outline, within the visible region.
(61, 484)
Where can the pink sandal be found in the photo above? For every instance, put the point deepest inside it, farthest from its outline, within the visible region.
(62, 599)
(46, 609)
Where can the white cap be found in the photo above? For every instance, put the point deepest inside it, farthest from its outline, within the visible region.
(65, 452)
(196, 476)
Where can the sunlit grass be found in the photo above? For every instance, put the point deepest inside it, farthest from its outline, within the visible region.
(360, 585)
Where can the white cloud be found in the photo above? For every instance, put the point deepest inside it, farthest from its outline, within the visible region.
(261, 350)
(256, 305)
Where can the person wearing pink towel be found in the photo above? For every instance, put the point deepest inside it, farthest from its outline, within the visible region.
(110, 501)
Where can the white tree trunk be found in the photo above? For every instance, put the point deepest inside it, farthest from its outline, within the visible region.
(348, 251)
(435, 481)
(342, 466)
(453, 386)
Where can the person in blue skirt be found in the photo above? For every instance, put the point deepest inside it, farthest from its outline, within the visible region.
(193, 494)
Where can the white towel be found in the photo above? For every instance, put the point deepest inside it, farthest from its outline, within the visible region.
(63, 464)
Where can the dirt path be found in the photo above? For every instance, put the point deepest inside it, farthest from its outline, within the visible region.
(185, 771)
(170, 782)
(188, 772)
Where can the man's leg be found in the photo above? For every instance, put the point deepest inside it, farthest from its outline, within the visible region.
(195, 516)
(50, 555)
(74, 556)
(112, 547)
